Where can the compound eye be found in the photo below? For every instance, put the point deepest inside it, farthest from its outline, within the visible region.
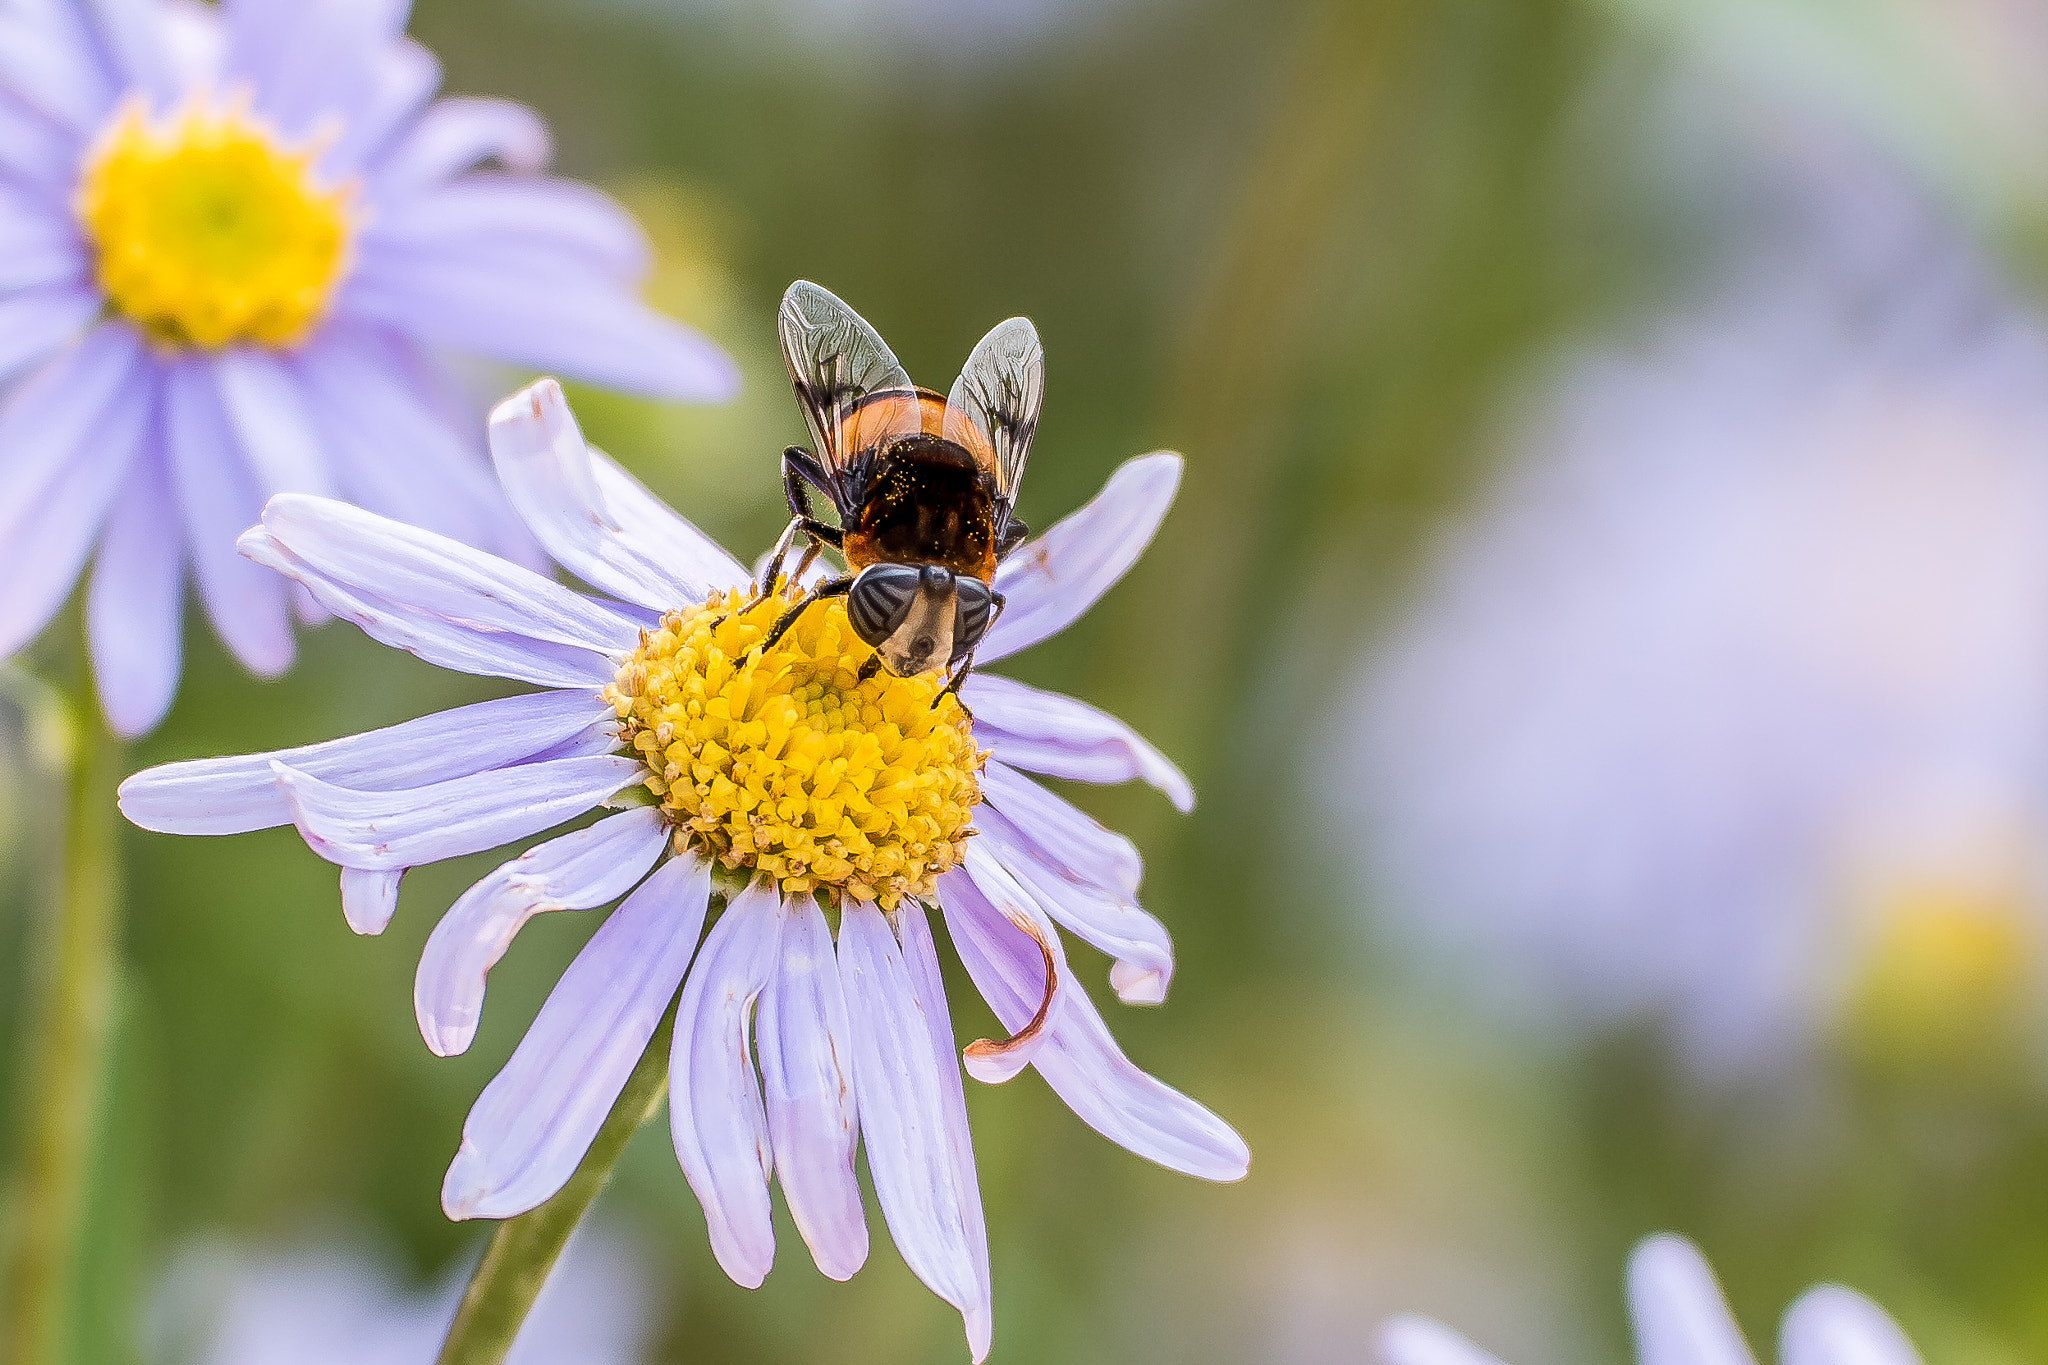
(879, 600)
(971, 613)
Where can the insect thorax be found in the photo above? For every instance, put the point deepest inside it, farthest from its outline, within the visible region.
(926, 502)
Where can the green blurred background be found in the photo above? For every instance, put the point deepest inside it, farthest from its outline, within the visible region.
(1314, 246)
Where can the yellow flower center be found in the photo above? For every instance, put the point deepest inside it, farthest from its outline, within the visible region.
(208, 231)
(786, 761)
(1948, 972)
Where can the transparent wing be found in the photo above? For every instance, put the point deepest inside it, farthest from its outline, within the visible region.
(998, 395)
(834, 360)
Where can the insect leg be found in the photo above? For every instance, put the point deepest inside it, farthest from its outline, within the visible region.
(953, 684)
(870, 668)
(1014, 532)
(795, 476)
(836, 588)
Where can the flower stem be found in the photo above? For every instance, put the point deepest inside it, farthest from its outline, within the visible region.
(67, 1058)
(524, 1249)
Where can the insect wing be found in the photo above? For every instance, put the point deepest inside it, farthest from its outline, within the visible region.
(994, 404)
(835, 359)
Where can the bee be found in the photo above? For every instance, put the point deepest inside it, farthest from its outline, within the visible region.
(923, 486)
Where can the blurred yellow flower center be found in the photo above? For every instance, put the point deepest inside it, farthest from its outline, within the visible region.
(207, 231)
(1947, 969)
(787, 761)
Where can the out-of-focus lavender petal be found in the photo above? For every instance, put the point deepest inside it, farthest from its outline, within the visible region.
(267, 413)
(1105, 918)
(50, 63)
(132, 609)
(535, 1120)
(912, 1120)
(1080, 1061)
(310, 60)
(1051, 580)
(386, 830)
(1833, 1325)
(1412, 1340)
(522, 317)
(379, 557)
(993, 1062)
(516, 220)
(37, 321)
(40, 247)
(69, 436)
(401, 83)
(219, 499)
(1680, 1314)
(132, 33)
(237, 794)
(813, 1121)
(455, 134)
(35, 154)
(715, 1113)
(398, 456)
(593, 517)
(1064, 837)
(369, 898)
(573, 872)
(1049, 733)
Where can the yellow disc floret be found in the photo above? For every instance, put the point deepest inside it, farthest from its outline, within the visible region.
(207, 230)
(788, 762)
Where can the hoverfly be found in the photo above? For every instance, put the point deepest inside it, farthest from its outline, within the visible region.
(923, 485)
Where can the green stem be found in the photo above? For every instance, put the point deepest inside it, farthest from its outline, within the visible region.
(66, 1070)
(524, 1249)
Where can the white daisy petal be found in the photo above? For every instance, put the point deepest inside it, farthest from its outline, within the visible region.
(574, 872)
(533, 1123)
(455, 134)
(266, 410)
(133, 606)
(1412, 1340)
(911, 1118)
(592, 516)
(1061, 737)
(369, 897)
(813, 1124)
(393, 829)
(1832, 1325)
(1051, 580)
(237, 794)
(993, 1062)
(716, 1118)
(1680, 1315)
(1064, 837)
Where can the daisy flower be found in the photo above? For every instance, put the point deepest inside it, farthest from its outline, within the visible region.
(1730, 704)
(833, 808)
(1682, 1318)
(235, 238)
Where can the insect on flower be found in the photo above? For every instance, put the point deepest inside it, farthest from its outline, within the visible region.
(923, 485)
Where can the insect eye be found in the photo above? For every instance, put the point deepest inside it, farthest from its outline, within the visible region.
(879, 600)
(971, 612)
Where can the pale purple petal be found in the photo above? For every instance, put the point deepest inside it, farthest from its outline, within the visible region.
(1833, 1325)
(454, 135)
(715, 1114)
(1062, 737)
(552, 321)
(531, 1126)
(1681, 1317)
(806, 1080)
(219, 499)
(592, 516)
(1064, 837)
(576, 871)
(1105, 918)
(35, 154)
(1051, 580)
(912, 1120)
(310, 60)
(49, 63)
(267, 414)
(41, 246)
(133, 608)
(377, 557)
(384, 830)
(1080, 1061)
(1412, 1340)
(369, 898)
(401, 82)
(35, 322)
(68, 437)
(995, 1062)
(238, 794)
(132, 32)
(397, 455)
(516, 221)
